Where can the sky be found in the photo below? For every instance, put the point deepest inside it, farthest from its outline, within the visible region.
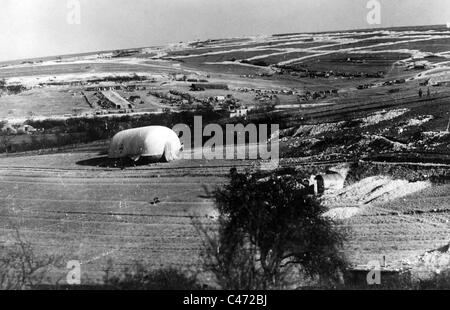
(37, 28)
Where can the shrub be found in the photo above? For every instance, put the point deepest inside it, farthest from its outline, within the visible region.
(138, 277)
(439, 281)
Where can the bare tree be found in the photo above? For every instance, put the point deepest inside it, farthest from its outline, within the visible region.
(21, 268)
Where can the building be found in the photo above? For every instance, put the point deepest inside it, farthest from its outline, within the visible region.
(220, 98)
(239, 112)
(332, 180)
(115, 101)
(26, 129)
(388, 276)
(329, 182)
(439, 80)
(422, 65)
(155, 143)
(180, 77)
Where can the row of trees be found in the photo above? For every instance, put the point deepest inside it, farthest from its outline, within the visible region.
(60, 133)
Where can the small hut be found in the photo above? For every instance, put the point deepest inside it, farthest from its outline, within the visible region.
(329, 182)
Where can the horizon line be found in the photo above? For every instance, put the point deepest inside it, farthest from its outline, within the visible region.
(91, 52)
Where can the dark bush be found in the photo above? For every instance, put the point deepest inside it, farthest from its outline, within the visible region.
(439, 281)
(271, 235)
(138, 277)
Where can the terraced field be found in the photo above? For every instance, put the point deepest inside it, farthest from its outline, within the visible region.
(295, 48)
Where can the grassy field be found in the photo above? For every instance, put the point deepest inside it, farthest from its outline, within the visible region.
(43, 102)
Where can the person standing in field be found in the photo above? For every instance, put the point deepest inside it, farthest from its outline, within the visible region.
(420, 92)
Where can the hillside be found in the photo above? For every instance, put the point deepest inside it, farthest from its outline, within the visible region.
(378, 100)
